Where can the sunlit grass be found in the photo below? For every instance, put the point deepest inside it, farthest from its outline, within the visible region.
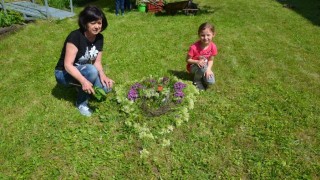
(260, 120)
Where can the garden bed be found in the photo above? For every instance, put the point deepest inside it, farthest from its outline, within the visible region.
(10, 29)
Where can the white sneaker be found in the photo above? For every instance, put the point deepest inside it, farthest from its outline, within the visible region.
(84, 109)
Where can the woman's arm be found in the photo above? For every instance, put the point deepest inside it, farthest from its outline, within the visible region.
(103, 78)
(71, 51)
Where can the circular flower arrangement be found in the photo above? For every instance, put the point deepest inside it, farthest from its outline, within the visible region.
(154, 106)
(157, 97)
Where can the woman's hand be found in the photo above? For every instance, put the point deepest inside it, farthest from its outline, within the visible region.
(106, 81)
(87, 87)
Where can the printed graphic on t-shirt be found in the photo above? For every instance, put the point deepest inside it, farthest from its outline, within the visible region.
(207, 53)
(89, 55)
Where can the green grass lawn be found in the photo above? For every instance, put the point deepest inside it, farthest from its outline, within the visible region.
(260, 121)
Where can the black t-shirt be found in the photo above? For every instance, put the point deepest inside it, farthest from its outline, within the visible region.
(87, 51)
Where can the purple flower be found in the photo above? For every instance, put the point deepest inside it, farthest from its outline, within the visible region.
(179, 94)
(133, 94)
(136, 86)
(165, 80)
(179, 101)
(153, 83)
(178, 86)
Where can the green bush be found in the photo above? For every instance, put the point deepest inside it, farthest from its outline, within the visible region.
(9, 18)
(60, 4)
(66, 3)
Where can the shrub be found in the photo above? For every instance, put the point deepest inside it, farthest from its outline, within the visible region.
(61, 4)
(9, 18)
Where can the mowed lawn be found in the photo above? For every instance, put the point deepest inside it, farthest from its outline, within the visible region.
(259, 121)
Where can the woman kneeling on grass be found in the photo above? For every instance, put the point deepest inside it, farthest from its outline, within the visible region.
(80, 60)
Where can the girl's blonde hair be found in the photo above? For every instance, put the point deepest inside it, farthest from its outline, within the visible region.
(204, 26)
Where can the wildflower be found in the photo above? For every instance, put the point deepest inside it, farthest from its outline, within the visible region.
(170, 128)
(165, 142)
(144, 153)
(133, 94)
(165, 80)
(160, 88)
(179, 86)
(153, 97)
(179, 101)
(156, 97)
(179, 94)
(136, 86)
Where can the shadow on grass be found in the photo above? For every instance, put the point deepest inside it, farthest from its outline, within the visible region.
(308, 9)
(109, 5)
(70, 94)
(202, 10)
(184, 75)
(106, 5)
(63, 92)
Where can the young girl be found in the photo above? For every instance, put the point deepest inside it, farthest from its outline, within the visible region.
(200, 57)
(80, 59)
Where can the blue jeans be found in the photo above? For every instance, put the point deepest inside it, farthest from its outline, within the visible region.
(119, 5)
(90, 72)
(199, 74)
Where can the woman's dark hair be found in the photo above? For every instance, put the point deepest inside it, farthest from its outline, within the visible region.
(205, 26)
(89, 14)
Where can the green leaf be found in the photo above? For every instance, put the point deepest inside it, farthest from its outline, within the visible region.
(100, 94)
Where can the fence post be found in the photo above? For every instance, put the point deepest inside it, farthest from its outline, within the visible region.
(71, 6)
(47, 8)
(3, 6)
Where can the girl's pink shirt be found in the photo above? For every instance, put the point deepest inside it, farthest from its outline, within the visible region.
(195, 51)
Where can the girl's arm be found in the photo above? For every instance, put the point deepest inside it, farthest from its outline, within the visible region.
(103, 78)
(209, 71)
(200, 62)
(71, 51)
